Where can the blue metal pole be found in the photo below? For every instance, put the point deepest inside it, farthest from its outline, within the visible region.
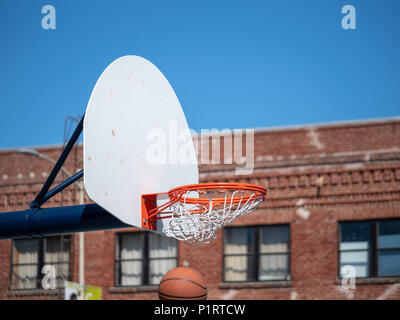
(47, 221)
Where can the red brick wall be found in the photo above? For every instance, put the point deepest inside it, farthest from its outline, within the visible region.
(360, 167)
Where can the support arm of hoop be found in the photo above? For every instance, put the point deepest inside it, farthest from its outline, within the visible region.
(63, 185)
(150, 210)
(40, 198)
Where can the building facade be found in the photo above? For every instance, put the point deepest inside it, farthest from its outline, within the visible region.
(332, 213)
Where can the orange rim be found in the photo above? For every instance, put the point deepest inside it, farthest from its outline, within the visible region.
(177, 195)
(178, 192)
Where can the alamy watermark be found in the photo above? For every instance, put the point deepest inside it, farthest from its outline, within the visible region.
(235, 147)
(49, 18)
(49, 277)
(349, 20)
(348, 277)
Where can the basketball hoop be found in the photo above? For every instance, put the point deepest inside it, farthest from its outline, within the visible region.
(197, 211)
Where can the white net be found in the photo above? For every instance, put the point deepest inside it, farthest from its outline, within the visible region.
(197, 223)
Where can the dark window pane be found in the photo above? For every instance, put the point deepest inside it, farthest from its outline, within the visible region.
(57, 249)
(57, 254)
(117, 275)
(238, 268)
(274, 267)
(26, 263)
(357, 259)
(238, 240)
(355, 235)
(274, 239)
(140, 267)
(159, 267)
(132, 245)
(131, 265)
(62, 273)
(389, 234)
(26, 251)
(25, 277)
(162, 247)
(131, 273)
(389, 263)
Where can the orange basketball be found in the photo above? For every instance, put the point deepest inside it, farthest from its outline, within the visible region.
(182, 284)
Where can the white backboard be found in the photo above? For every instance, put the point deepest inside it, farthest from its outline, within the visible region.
(136, 139)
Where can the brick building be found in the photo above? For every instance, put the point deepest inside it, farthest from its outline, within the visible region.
(333, 201)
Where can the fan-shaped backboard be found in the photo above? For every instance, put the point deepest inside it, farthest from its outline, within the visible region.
(136, 139)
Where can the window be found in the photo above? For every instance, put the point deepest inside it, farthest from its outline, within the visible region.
(142, 258)
(256, 253)
(371, 247)
(30, 255)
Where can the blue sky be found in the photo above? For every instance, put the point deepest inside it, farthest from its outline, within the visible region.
(233, 64)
